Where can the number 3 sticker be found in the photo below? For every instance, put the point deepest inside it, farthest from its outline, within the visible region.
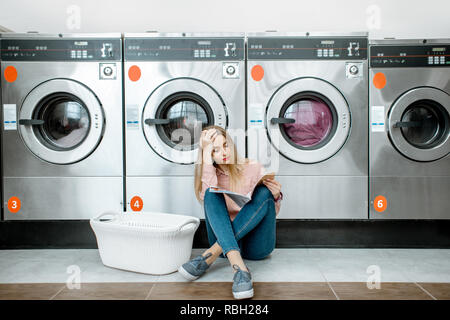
(14, 204)
(380, 204)
(136, 203)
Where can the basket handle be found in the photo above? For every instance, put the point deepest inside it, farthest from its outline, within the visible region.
(188, 221)
(114, 214)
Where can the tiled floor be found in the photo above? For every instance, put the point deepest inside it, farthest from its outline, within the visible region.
(286, 274)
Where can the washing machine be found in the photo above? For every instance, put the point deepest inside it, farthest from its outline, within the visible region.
(307, 120)
(175, 85)
(62, 125)
(409, 99)
(1, 157)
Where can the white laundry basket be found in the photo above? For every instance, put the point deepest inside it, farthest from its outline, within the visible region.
(146, 242)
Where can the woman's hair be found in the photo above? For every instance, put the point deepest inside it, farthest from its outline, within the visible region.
(235, 168)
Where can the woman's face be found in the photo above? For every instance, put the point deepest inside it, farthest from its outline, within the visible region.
(221, 152)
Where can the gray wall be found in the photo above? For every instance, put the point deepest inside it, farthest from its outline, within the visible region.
(382, 18)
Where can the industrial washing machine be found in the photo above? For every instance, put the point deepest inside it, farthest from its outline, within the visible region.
(409, 99)
(307, 120)
(175, 85)
(62, 125)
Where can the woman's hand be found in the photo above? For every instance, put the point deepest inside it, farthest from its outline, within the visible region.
(207, 137)
(274, 187)
(206, 144)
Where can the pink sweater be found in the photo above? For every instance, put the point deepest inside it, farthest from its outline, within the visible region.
(211, 176)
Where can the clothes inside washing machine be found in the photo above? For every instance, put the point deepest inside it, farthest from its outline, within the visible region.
(313, 122)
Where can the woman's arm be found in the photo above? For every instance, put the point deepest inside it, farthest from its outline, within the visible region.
(277, 207)
(209, 175)
(274, 187)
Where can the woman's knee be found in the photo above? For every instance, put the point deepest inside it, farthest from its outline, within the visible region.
(208, 193)
(262, 192)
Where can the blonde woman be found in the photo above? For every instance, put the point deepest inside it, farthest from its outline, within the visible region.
(236, 233)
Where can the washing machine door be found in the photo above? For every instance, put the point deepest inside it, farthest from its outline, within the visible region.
(308, 120)
(175, 114)
(419, 124)
(61, 121)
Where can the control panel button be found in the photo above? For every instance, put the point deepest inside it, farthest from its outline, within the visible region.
(353, 69)
(230, 70)
(108, 71)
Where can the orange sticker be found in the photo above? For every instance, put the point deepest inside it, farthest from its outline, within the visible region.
(380, 204)
(257, 73)
(10, 74)
(14, 204)
(379, 80)
(136, 203)
(134, 73)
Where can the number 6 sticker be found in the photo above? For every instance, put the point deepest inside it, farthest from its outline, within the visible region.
(14, 204)
(380, 204)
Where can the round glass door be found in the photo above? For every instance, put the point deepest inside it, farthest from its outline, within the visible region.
(308, 120)
(315, 121)
(419, 124)
(61, 121)
(187, 114)
(424, 124)
(175, 114)
(66, 121)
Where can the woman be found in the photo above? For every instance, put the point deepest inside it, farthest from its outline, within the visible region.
(236, 233)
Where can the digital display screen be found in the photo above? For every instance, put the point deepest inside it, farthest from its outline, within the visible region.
(438, 49)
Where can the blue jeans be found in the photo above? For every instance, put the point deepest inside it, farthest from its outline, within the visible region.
(252, 232)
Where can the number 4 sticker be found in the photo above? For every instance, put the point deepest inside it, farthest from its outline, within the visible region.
(14, 204)
(380, 204)
(136, 203)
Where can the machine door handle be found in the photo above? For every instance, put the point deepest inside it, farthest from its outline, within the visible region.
(408, 124)
(281, 120)
(156, 121)
(31, 122)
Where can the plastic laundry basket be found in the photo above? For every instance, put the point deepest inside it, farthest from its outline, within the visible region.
(147, 242)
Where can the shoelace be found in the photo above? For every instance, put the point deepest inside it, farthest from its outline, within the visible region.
(241, 275)
(197, 260)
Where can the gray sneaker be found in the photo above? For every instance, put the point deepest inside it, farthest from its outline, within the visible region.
(194, 268)
(242, 284)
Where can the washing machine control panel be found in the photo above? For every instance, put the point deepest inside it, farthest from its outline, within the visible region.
(184, 49)
(308, 48)
(61, 49)
(410, 56)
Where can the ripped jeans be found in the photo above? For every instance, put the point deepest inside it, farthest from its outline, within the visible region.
(253, 230)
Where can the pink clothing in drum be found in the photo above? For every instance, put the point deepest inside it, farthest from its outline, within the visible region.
(215, 177)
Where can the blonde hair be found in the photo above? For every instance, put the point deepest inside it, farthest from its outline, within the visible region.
(235, 168)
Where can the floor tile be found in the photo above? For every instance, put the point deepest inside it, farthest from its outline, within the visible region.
(191, 291)
(292, 291)
(106, 291)
(283, 265)
(441, 291)
(387, 291)
(29, 291)
(286, 265)
(356, 265)
(422, 265)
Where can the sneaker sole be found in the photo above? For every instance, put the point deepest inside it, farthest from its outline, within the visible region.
(243, 294)
(186, 274)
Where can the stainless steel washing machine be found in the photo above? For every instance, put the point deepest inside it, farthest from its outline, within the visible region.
(62, 125)
(175, 85)
(409, 141)
(307, 120)
(1, 134)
